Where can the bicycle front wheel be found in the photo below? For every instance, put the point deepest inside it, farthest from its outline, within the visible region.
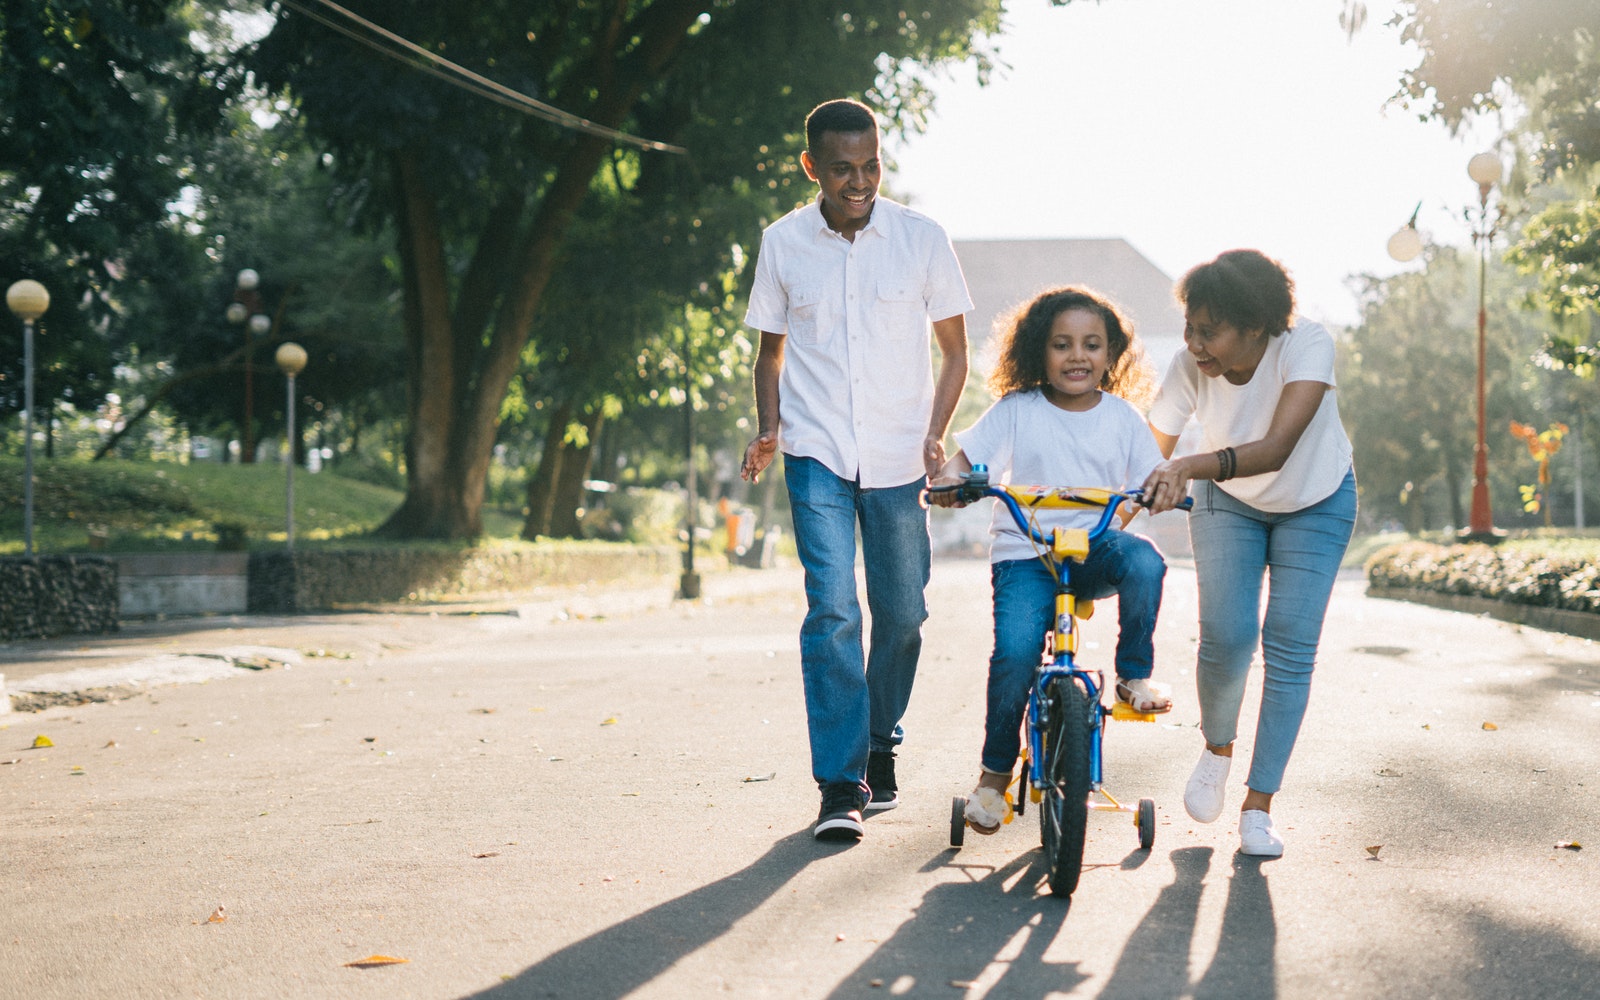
(1064, 811)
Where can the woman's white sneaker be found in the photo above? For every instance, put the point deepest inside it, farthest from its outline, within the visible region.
(1257, 836)
(1208, 785)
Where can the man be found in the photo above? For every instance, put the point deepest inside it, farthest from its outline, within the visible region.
(844, 290)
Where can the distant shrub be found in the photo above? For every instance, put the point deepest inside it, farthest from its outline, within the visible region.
(1566, 577)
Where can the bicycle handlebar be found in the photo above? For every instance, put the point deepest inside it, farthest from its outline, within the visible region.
(975, 486)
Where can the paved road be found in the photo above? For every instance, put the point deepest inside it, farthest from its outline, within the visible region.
(525, 805)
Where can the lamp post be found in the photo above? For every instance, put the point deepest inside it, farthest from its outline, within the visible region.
(245, 310)
(29, 300)
(291, 359)
(1405, 245)
(689, 581)
(1485, 170)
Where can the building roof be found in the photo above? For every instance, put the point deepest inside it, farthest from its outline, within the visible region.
(1004, 274)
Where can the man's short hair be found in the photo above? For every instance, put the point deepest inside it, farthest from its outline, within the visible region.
(843, 115)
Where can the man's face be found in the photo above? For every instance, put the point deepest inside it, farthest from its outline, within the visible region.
(847, 168)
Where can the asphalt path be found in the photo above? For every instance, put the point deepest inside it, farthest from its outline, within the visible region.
(606, 794)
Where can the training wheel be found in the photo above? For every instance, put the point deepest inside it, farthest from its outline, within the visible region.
(958, 821)
(1145, 820)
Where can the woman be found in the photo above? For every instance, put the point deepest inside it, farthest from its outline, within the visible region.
(1275, 495)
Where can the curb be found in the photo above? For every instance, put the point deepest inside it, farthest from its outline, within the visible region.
(1578, 623)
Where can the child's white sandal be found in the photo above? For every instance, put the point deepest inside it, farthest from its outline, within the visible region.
(987, 810)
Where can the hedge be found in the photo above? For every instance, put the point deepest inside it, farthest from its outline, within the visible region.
(1569, 581)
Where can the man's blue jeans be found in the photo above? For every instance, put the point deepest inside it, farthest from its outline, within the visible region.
(854, 701)
(1299, 554)
(1024, 608)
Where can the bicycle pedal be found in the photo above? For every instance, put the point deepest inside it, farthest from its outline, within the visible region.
(1124, 712)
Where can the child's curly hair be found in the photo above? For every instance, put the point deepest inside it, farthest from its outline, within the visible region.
(1024, 334)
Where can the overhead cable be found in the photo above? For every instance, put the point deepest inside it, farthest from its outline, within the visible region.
(466, 79)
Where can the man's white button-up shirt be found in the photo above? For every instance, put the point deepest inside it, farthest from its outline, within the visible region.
(856, 389)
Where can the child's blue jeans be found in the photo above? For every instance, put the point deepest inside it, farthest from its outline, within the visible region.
(1024, 609)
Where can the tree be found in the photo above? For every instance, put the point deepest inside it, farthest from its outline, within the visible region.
(1407, 387)
(95, 97)
(483, 198)
(1544, 57)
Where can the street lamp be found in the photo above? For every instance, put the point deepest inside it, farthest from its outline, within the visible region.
(245, 310)
(291, 359)
(28, 299)
(1405, 245)
(1485, 170)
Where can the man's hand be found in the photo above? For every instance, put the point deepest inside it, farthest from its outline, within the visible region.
(932, 456)
(759, 455)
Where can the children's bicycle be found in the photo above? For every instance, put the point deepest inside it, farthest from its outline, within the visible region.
(1062, 767)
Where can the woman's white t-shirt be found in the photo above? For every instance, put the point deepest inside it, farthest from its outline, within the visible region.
(1026, 440)
(1231, 415)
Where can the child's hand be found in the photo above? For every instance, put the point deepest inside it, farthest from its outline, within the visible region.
(950, 499)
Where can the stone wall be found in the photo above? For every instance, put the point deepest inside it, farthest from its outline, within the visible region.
(45, 596)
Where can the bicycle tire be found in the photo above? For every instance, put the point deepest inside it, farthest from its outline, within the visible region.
(1064, 811)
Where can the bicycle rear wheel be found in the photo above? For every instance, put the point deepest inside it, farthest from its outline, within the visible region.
(1064, 811)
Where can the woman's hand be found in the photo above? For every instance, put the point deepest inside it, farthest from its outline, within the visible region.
(1167, 485)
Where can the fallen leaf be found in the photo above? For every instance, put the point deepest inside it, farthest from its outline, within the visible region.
(1491, 727)
(762, 777)
(373, 961)
(217, 916)
(1375, 849)
(109, 745)
(1570, 845)
(42, 741)
(610, 722)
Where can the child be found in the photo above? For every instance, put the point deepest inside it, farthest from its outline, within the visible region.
(1057, 423)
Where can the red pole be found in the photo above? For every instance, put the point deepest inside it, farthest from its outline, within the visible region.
(1481, 520)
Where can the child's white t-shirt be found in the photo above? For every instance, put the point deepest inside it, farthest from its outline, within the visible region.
(1026, 440)
(1231, 415)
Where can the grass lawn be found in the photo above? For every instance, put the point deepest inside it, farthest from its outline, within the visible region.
(156, 506)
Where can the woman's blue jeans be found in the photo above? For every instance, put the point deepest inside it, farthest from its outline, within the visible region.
(854, 702)
(1235, 546)
(1024, 608)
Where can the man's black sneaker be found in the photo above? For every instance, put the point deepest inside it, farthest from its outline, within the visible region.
(840, 818)
(880, 778)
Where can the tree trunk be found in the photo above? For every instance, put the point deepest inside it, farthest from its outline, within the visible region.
(576, 462)
(457, 378)
(542, 484)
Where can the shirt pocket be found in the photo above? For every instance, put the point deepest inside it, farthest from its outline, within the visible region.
(804, 312)
(901, 306)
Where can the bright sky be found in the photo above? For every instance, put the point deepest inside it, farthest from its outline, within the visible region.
(1189, 127)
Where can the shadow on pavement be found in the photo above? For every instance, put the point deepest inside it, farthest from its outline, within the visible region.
(625, 956)
(960, 931)
(1155, 961)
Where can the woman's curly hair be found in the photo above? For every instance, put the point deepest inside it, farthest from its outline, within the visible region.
(1024, 334)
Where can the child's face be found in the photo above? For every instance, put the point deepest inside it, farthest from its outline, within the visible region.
(1075, 359)
(1220, 348)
